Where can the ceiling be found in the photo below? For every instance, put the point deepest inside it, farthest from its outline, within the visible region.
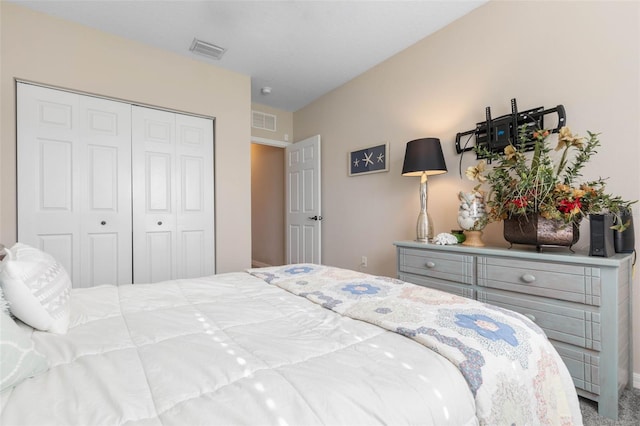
(300, 49)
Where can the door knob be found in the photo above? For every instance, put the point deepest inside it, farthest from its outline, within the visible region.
(159, 223)
(103, 223)
(316, 217)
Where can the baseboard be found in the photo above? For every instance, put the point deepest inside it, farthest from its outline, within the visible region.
(636, 380)
(257, 264)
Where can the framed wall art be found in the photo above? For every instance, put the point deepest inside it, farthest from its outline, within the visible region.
(364, 161)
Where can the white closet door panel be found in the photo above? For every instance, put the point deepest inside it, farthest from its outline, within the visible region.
(193, 254)
(105, 242)
(62, 246)
(102, 265)
(192, 186)
(159, 128)
(154, 199)
(195, 215)
(103, 178)
(159, 257)
(158, 183)
(55, 175)
(48, 150)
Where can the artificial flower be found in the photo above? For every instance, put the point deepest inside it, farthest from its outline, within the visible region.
(476, 172)
(566, 139)
(510, 152)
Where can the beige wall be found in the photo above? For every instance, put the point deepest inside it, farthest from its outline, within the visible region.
(284, 124)
(51, 51)
(267, 204)
(584, 55)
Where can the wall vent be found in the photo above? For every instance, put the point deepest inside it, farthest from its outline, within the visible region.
(261, 120)
(207, 49)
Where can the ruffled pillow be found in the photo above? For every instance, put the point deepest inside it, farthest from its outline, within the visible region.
(37, 288)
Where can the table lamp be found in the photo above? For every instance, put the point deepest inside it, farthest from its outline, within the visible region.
(423, 157)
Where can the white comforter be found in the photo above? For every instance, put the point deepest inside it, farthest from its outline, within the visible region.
(231, 349)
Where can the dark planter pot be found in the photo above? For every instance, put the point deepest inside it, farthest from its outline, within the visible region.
(534, 230)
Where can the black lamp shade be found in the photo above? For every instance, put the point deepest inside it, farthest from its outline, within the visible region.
(424, 155)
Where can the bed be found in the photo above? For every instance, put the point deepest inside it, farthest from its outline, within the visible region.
(291, 345)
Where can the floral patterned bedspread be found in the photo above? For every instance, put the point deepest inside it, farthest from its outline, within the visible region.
(514, 373)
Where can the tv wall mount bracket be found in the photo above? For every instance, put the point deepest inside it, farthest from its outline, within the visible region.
(494, 134)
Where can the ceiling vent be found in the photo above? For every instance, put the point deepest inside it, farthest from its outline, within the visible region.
(207, 49)
(260, 120)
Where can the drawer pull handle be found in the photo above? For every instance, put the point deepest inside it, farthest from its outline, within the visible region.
(531, 317)
(528, 278)
(431, 265)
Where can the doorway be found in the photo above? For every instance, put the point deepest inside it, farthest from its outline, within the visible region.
(267, 205)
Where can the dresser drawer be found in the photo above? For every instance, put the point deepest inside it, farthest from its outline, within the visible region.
(583, 365)
(442, 285)
(446, 266)
(573, 283)
(562, 322)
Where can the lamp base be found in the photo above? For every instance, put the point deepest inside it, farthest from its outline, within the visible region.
(424, 228)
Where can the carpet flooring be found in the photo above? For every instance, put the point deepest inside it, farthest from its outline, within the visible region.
(628, 411)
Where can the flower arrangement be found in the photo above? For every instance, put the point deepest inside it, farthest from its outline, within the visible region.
(520, 185)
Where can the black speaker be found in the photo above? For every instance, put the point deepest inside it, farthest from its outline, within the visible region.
(624, 241)
(601, 235)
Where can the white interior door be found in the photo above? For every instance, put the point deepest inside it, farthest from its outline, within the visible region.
(74, 194)
(303, 210)
(195, 239)
(105, 192)
(48, 185)
(173, 206)
(154, 195)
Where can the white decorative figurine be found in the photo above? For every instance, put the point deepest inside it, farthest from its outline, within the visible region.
(445, 239)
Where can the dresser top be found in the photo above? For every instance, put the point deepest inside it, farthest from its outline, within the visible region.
(558, 254)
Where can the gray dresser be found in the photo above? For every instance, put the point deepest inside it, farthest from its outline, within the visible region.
(582, 303)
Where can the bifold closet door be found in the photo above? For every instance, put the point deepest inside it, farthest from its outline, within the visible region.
(173, 216)
(74, 182)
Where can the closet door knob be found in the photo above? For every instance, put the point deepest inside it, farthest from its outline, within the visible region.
(103, 223)
(159, 223)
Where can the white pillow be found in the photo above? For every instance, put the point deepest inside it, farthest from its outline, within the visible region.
(4, 305)
(19, 359)
(37, 288)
